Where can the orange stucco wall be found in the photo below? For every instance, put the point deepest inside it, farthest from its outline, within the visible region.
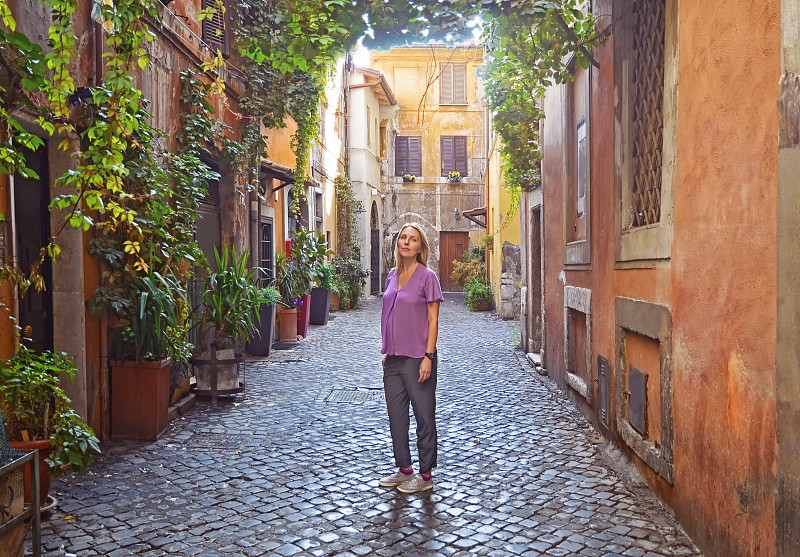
(725, 278)
(719, 283)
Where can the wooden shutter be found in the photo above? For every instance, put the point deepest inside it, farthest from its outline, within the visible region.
(460, 154)
(448, 158)
(401, 156)
(215, 29)
(446, 84)
(415, 156)
(459, 83)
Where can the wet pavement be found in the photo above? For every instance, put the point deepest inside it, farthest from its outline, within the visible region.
(291, 466)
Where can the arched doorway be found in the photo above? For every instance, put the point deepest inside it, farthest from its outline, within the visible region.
(375, 251)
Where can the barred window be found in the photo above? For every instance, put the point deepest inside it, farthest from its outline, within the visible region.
(647, 104)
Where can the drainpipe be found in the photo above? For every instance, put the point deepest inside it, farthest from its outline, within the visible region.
(13, 243)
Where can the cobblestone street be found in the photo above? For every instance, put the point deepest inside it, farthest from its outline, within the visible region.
(291, 467)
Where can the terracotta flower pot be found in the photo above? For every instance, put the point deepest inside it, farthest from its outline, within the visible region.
(303, 312)
(44, 469)
(288, 325)
(139, 399)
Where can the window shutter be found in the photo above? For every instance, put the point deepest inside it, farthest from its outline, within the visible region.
(459, 83)
(415, 156)
(401, 156)
(215, 29)
(460, 154)
(447, 155)
(446, 84)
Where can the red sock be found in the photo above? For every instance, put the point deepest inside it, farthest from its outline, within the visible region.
(426, 477)
(407, 471)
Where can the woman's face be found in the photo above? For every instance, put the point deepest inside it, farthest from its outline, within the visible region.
(409, 242)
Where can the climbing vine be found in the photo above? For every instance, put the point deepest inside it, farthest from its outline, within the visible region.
(347, 209)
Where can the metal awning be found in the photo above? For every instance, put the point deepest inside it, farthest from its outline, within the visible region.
(474, 214)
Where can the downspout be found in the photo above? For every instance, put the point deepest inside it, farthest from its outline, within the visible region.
(13, 242)
(105, 410)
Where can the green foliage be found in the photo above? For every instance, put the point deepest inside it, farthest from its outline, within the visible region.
(232, 299)
(34, 401)
(529, 49)
(152, 331)
(287, 282)
(479, 296)
(350, 279)
(347, 209)
(325, 277)
(309, 250)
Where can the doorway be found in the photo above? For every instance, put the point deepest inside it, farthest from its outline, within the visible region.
(452, 246)
(32, 220)
(535, 285)
(374, 251)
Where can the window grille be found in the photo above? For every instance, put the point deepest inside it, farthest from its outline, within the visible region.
(648, 109)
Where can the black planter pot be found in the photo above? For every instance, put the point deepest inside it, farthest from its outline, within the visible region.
(320, 306)
(260, 343)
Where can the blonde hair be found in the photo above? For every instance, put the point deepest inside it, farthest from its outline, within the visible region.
(422, 256)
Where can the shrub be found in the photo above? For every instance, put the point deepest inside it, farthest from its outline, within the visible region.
(479, 295)
(463, 271)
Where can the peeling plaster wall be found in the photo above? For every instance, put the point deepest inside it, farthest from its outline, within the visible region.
(431, 200)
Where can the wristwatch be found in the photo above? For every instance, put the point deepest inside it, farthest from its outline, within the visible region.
(430, 355)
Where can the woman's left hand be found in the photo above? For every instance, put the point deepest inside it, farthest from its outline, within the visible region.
(424, 370)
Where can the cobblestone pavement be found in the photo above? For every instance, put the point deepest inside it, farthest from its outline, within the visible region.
(285, 469)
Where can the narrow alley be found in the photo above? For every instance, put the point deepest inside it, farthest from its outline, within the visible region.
(292, 466)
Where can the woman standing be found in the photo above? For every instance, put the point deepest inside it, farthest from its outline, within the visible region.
(410, 327)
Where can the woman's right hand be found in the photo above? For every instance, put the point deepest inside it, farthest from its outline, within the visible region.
(383, 361)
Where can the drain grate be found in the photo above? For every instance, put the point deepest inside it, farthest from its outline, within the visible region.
(355, 395)
(216, 441)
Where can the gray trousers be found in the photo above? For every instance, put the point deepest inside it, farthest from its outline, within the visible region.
(401, 386)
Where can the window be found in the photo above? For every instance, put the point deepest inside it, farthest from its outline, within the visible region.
(453, 84)
(408, 156)
(646, 145)
(454, 154)
(577, 187)
(215, 29)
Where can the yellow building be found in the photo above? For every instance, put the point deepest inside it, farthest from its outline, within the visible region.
(439, 129)
(503, 228)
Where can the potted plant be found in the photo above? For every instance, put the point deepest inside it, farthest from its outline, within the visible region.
(321, 295)
(309, 250)
(351, 279)
(479, 296)
(288, 284)
(409, 178)
(230, 316)
(152, 339)
(454, 177)
(38, 415)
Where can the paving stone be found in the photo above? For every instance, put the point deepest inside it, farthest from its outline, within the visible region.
(277, 470)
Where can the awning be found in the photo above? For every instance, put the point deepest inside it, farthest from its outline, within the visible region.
(284, 174)
(474, 214)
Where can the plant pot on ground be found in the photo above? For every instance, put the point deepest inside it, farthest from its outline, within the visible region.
(232, 302)
(321, 295)
(479, 295)
(309, 250)
(288, 284)
(36, 409)
(151, 338)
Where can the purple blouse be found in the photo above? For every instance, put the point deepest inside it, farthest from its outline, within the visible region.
(404, 321)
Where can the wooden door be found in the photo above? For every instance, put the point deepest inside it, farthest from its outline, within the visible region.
(452, 246)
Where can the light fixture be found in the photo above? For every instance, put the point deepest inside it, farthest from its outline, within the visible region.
(457, 214)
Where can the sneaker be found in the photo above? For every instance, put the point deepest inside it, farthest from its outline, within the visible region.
(395, 479)
(417, 483)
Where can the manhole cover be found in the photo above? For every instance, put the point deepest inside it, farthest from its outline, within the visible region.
(216, 441)
(357, 395)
